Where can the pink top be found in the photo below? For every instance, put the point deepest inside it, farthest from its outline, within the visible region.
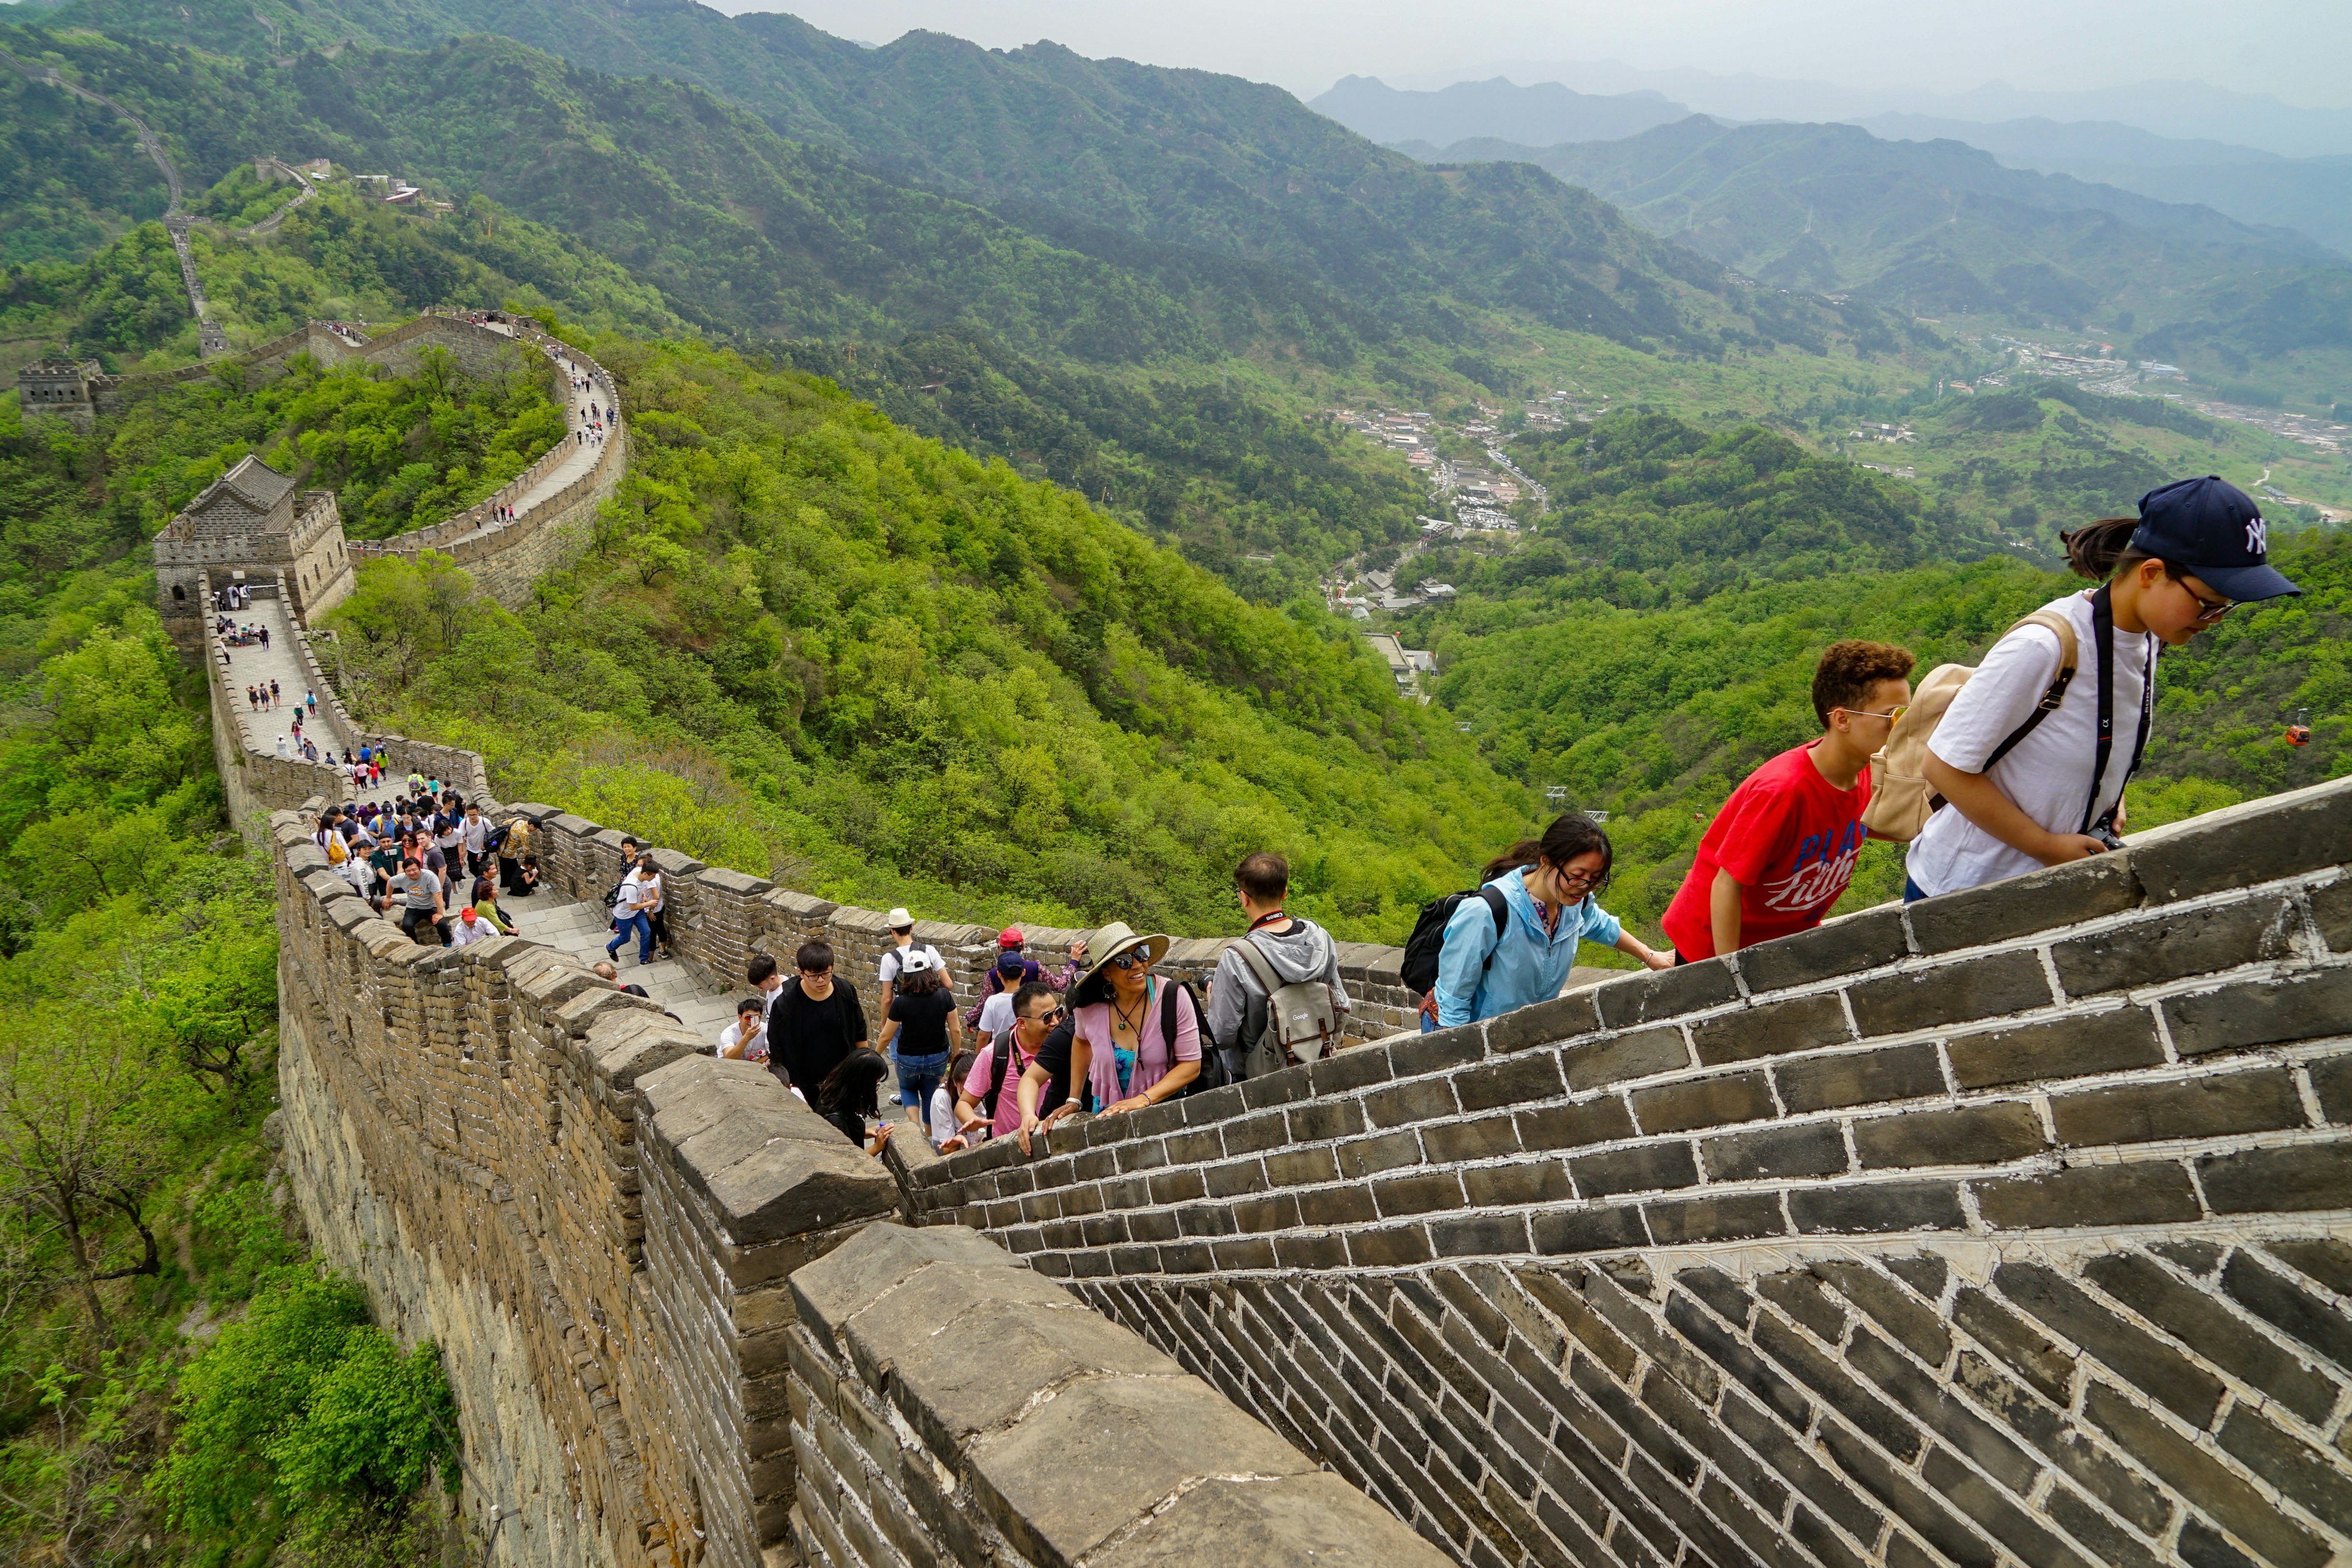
(1152, 1056)
(1008, 1099)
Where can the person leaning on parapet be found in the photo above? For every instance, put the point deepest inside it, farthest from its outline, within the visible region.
(988, 1101)
(1280, 957)
(1783, 847)
(2032, 762)
(1133, 1039)
(814, 1023)
(902, 939)
(1498, 960)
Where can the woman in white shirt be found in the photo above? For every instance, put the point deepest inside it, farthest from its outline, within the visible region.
(2033, 771)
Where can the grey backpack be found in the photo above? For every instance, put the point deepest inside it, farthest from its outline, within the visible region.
(1301, 1024)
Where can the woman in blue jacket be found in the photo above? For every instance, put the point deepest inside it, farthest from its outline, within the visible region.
(1549, 901)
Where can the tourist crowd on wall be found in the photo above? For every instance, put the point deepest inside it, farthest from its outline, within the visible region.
(1983, 774)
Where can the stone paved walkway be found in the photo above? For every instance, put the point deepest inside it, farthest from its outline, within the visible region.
(581, 931)
(253, 666)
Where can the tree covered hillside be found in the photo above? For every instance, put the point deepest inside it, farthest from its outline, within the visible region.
(809, 643)
(1188, 158)
(1942, 230)
(1647, 509)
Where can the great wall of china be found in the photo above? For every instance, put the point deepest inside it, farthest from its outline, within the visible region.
(2006, 1227)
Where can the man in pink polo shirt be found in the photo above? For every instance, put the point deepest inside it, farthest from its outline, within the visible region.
(988, 1097)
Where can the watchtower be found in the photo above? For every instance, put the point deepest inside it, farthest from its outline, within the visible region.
(256, 521)
(59, 386)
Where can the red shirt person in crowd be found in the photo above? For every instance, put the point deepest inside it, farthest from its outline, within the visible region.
(1782, 849)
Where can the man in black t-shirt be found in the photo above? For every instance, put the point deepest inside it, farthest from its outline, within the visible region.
(814, 1021)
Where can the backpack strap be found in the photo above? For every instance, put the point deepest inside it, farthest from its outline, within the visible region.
(2054, 694)
(1168, 1014)
(1261, 967)
(1500, 908)
(1005, 1052)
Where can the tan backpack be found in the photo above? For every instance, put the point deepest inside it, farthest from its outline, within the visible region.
(1901, 799)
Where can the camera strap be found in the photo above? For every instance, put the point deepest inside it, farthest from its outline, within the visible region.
(2102, 629)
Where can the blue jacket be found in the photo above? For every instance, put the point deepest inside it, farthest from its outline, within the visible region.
(1529, 965)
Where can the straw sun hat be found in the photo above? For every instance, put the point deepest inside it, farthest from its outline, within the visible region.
(1115, 939)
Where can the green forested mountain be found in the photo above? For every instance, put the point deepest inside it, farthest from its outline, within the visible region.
(1648, 510)
(809, 643)
(661, 207)
(1189, 158)
(1941, 229)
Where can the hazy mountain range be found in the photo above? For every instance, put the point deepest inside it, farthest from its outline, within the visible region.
(2249, 183)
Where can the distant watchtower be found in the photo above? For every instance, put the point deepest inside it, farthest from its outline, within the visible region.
(59, 386)
(256, 521)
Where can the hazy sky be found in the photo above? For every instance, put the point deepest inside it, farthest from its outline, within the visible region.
(2297, 50)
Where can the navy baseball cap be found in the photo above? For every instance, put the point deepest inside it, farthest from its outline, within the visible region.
(2211, 530)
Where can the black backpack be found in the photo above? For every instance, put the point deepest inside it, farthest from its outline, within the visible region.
(1422, 949)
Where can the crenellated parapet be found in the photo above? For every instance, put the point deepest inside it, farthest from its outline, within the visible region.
(2011, 1224)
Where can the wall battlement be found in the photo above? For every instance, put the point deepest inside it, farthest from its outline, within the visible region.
(2010, 1226)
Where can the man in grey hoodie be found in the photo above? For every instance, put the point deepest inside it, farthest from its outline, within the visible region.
(1297, 950)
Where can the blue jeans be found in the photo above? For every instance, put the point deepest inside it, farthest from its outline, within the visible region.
(1912, 892)
(621, 928)
(918, 1077)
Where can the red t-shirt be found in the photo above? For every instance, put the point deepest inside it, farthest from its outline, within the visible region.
(1788, 839)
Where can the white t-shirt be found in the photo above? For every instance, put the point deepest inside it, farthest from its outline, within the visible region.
(2048, 774)
(996, 1013)
(756, 1051)
(640, 890)
(898, 955)
(464, 932)
(943, 1117)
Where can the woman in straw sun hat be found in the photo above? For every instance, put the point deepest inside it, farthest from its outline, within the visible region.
(1133, 1037)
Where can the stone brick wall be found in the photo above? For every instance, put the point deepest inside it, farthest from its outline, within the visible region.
(505, 559)
(2008, 1225)
(1031, 1431)
(594, 1221)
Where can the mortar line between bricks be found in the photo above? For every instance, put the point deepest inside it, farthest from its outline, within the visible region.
(1999, 1246)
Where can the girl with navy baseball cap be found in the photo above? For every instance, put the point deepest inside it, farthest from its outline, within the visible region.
(2032, 755)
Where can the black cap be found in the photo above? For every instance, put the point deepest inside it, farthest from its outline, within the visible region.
(2211, 530)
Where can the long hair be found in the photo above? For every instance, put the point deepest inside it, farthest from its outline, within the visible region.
(1518, 858)
(2100, 550)
(850, 1085)
(1574, 834)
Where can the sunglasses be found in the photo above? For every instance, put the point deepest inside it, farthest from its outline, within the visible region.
(1137, 959)
(1052, 1015)
(1890, 715)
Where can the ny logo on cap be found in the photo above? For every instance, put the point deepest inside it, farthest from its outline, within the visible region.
(2258, 537)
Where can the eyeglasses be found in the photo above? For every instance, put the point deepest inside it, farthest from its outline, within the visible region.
(816, 975)
(1576, 879)
(1890, 715)
(2207, 609)
(1136, 959)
